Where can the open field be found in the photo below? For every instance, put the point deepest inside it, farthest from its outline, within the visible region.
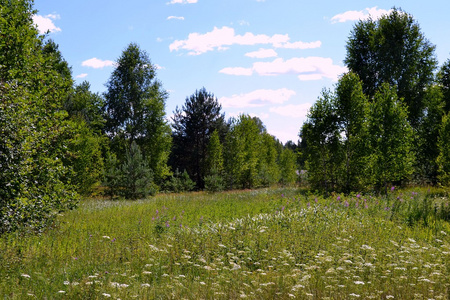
(263, 244)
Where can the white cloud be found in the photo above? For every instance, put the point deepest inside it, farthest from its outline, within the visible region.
(182, 1)
(262, 53)
(237, 71)
(45, 23)
(221, 38)
(307, 68)
(292, 110)
(354, 15)
(158, 67)
(175, 18)
(257, 98)
(97, 63)
(83, 75)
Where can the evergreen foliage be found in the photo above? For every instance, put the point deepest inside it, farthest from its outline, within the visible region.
(193, 126)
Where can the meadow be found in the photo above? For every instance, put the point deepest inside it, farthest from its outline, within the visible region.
(256, 244)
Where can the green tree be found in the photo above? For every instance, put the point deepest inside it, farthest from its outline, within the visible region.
(322, 150)
(268, 168)
(444, 81)
(214, 179)
(443, 159)
(132, 178)
(193, 126)
(390, 139)
(33, 127)
(135, 110)
(242, 146)
(430, 125)
(351, 110)
(393, 50)
(288, 167)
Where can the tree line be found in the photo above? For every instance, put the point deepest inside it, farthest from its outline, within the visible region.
(59, 140)
(387, 120)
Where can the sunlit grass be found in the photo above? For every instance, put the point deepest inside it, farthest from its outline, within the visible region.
(275, 243)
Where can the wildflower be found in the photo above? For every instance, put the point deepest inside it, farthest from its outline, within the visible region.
(392, 188)
(26, 275)
(61, 292)
(355, 295)
(145, 285)
(359, 282)
(346, 203)
(389, 297)
(202, 283)
(66, 282)
(338, 198)
(106, 237)
(358, 196)
(106, 295)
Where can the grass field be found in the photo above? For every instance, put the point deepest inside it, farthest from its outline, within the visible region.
(263, 244)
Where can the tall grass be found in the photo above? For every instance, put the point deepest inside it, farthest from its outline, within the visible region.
(273, 243)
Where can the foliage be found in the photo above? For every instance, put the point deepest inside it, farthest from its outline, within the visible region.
(269, 171)
(322, 152)
(443, 159)
(427, 149)
(242, 148)
(193, 126)
(34, 181)
(214, 180)
(180, 182)
(393, 50)
(390, 139)
(288, 167)
(131, 179)
(444, 81)
(134, 110)
(351, 110)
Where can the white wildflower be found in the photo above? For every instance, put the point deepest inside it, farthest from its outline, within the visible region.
(26, 275)
(106, 237)
(389, 297)
(106, 295)
(359, 282)
(145, 285)
(61, 292)
(355, 295)
(202, 283)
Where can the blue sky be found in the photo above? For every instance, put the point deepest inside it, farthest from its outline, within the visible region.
(267, 58)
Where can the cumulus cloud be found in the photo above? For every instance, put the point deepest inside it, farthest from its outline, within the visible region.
(237, 71)
(355, 15)
(257, 98)
(306, 68)
(83, 75)
(222, 38)
(175, 18)
(262, 53)
(45, 23)
(97, 63)
(292, 110)
(182, 1)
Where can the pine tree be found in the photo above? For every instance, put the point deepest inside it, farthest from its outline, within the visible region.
(193, 126)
